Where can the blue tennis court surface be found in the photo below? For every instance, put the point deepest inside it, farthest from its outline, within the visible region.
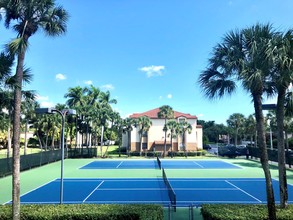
(167, 164)
(195, 191)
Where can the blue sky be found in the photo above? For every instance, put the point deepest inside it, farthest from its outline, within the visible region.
(147, 53)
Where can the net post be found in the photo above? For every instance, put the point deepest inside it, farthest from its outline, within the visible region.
(191, 212)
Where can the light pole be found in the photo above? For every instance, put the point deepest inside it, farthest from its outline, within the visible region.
(63, 113)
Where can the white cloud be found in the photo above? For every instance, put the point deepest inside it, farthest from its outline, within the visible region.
(46, 104)
(153, 70)
(160, 97)
(108, 87)
(200, 115)
(169, 96)
(44, 101)
(42, 98)
(88, 82)
(60, 76)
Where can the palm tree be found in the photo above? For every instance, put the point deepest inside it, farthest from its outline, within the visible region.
(75, 97)
(166, 112)
(242, 56)
(183, 127)
(236, 122)
(128, 124)
(250, 127)
(30, 16)
(280, 54)
(143, 124)
(173, 127)
(29, 104)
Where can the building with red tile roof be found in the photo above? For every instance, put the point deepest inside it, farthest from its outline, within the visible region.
(153, 140)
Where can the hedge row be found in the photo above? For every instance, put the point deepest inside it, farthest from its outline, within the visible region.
(175, 154)
(85, 212)
(242, 212)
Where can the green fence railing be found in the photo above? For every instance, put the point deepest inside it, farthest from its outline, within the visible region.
(44, 157)
(272, 154)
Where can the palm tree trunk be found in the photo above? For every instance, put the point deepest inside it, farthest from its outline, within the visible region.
(264, 156)
(16, 138)
(53, 140)
(8, 140)
(281, 149)
(129, 142)
(102, 140)
(25, 137)
(140, 141)
(165, 147)
(40, 141)
(171, 140)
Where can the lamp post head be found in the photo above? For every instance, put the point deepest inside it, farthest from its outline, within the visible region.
(44, 111)
(69, 111)
(269, 106)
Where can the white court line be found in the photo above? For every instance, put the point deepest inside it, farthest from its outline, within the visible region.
(86, 165)
(34, 189)
(198, 164)
(162, 189)
(119, 164)
(93, 191)
(243, 191)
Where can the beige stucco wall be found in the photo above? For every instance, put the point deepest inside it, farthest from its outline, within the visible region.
(193, 140)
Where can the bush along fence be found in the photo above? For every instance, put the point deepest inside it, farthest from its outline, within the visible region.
(38, 159)
(272, 154)
(85, 211)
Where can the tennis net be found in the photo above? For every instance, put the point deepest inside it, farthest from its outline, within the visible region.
(171, 193)
(159, 162)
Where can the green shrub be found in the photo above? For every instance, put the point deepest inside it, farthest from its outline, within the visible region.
(85, 212)
(242, 212)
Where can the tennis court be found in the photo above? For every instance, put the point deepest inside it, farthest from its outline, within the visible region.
(187, 191)
(157, 164)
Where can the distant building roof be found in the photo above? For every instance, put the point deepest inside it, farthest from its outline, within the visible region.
(154, 114)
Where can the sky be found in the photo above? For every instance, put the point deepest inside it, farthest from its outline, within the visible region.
(147, 53)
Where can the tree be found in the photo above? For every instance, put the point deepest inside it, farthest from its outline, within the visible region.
(184, 127)
(29, 17)
(280, 53)
(250, 127)
(166, 112)
(242, 56)
(236, 122)
(143, 124)
(173, 127)
(128, 124)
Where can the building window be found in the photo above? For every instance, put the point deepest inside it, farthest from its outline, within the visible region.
(181, 120)
(144, 133)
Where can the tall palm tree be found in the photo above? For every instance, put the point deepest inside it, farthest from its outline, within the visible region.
(183, 127)
(280, 53)
(29, 17)
(242, 56)
(236, 122)
(75, 100)
(128, 124)
(143, 124)
(166, 112)
(250, 127)
(29, 105)
(173, 127)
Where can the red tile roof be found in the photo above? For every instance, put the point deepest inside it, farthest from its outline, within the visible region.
(154, 114)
